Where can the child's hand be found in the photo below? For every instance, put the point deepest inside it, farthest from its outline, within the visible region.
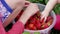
(30, 10)
(44, 15)
(50, 5)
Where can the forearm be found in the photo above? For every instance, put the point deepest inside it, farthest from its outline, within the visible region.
(24, 18)
(30, 10)
(12, 16)
(50, 5)
(58, 1)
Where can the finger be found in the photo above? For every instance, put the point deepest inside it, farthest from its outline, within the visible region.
(45, 19)
(42, 17)
(32, 9)
(27, 3)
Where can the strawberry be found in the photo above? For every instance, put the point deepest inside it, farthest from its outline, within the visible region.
(44, 26)
(38, 14)
(38, 25)
(48, 18)
(33, 20)
(50, 22)
(34, 23)
(27, 28)
(31, 25)
(34, 28)
(42, 21)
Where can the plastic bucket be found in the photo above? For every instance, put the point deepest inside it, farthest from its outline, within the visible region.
(44, 31)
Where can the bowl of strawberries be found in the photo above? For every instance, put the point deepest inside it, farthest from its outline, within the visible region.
(35, 24)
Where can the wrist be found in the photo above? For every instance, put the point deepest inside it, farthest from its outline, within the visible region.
(24, 19)
(46, 11)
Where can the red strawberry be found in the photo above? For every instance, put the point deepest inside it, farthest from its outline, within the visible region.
(42, 21)
(38, 21)
(44, 26)
(50, 22)
(38, 14)
(48, 18)
(31, 25)
(34, 16)
(34, 28)
(33, 21)
(27, 27)
(38, 25)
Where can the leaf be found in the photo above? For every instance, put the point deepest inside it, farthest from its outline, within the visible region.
(57, 9)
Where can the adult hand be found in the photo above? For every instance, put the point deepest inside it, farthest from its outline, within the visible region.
(30, 10)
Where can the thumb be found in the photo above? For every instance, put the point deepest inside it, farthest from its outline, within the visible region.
(42, 16)
(45, 19)
(27, 3)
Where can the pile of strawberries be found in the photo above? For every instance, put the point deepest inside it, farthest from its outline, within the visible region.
(35, 22)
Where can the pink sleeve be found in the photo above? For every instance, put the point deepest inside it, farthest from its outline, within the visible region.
(17, 28)
(2, 31)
